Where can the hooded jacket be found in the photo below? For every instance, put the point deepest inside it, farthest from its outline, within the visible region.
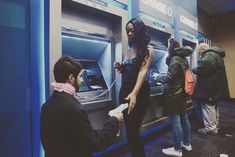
(174, 80)
(212, 84)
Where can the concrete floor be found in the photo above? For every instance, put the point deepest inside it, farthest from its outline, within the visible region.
(203, 145)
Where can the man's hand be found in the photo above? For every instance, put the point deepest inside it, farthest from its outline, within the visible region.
(118, 115)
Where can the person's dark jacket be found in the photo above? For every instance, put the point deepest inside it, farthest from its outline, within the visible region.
(212, 84)
(67, 132)
(174, 79)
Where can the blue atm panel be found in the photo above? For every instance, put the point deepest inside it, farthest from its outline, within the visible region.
(158, 66)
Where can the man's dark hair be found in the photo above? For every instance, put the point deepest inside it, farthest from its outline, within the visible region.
(64, 67)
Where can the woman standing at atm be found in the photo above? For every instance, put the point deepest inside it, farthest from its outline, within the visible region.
(135, 89)
(174, 96)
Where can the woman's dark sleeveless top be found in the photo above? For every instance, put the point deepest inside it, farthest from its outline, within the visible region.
(130, 71)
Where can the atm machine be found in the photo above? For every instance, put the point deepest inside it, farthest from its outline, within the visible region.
(94, 52)
(158, 17)
(186, 33)
(94, 33)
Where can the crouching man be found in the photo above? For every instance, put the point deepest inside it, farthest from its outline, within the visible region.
(65, 128)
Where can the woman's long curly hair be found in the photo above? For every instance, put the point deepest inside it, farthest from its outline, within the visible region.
(142, 40)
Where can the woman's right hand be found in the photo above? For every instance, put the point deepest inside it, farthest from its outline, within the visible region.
(132, 102)
(117, 65)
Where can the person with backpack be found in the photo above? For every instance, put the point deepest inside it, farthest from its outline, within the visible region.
(175, 96)
(211, 86)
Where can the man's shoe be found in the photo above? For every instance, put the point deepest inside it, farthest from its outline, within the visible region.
(215, 131)
(185, 147)
(205, 131)
(172, 152)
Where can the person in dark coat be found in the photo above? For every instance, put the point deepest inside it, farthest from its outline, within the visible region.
(175, 97)
(65, 128)
(211, 85)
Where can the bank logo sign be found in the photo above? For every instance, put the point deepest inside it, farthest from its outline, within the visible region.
(159, 6)
(160, 9)
(188, 22)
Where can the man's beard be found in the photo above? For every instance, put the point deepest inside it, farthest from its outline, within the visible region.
(76, 86)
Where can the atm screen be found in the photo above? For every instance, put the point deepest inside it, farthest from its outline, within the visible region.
(193, 58)
(158, 66)
(83, 86)
(189, 43)
(93, 79)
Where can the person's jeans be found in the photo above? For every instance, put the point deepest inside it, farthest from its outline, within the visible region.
(181, 130)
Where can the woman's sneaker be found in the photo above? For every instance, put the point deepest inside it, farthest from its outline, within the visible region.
(172, 152)
(185, 147)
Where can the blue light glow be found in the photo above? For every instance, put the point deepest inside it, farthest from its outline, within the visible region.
(37, 71)
(85, 39)
(42, 63)
(124, 142)
(110, 148)
(42, 55)
(129, 9)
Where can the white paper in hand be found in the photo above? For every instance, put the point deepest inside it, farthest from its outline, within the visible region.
(118, 109)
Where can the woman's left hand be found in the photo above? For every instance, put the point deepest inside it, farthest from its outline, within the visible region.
(132, 102)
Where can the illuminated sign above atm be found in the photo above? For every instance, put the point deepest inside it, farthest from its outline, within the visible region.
(187, 21)
(160, 9)
(159, 6)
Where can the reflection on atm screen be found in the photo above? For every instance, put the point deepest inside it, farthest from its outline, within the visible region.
(83, 86)
(93, 79)
(159, 65)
